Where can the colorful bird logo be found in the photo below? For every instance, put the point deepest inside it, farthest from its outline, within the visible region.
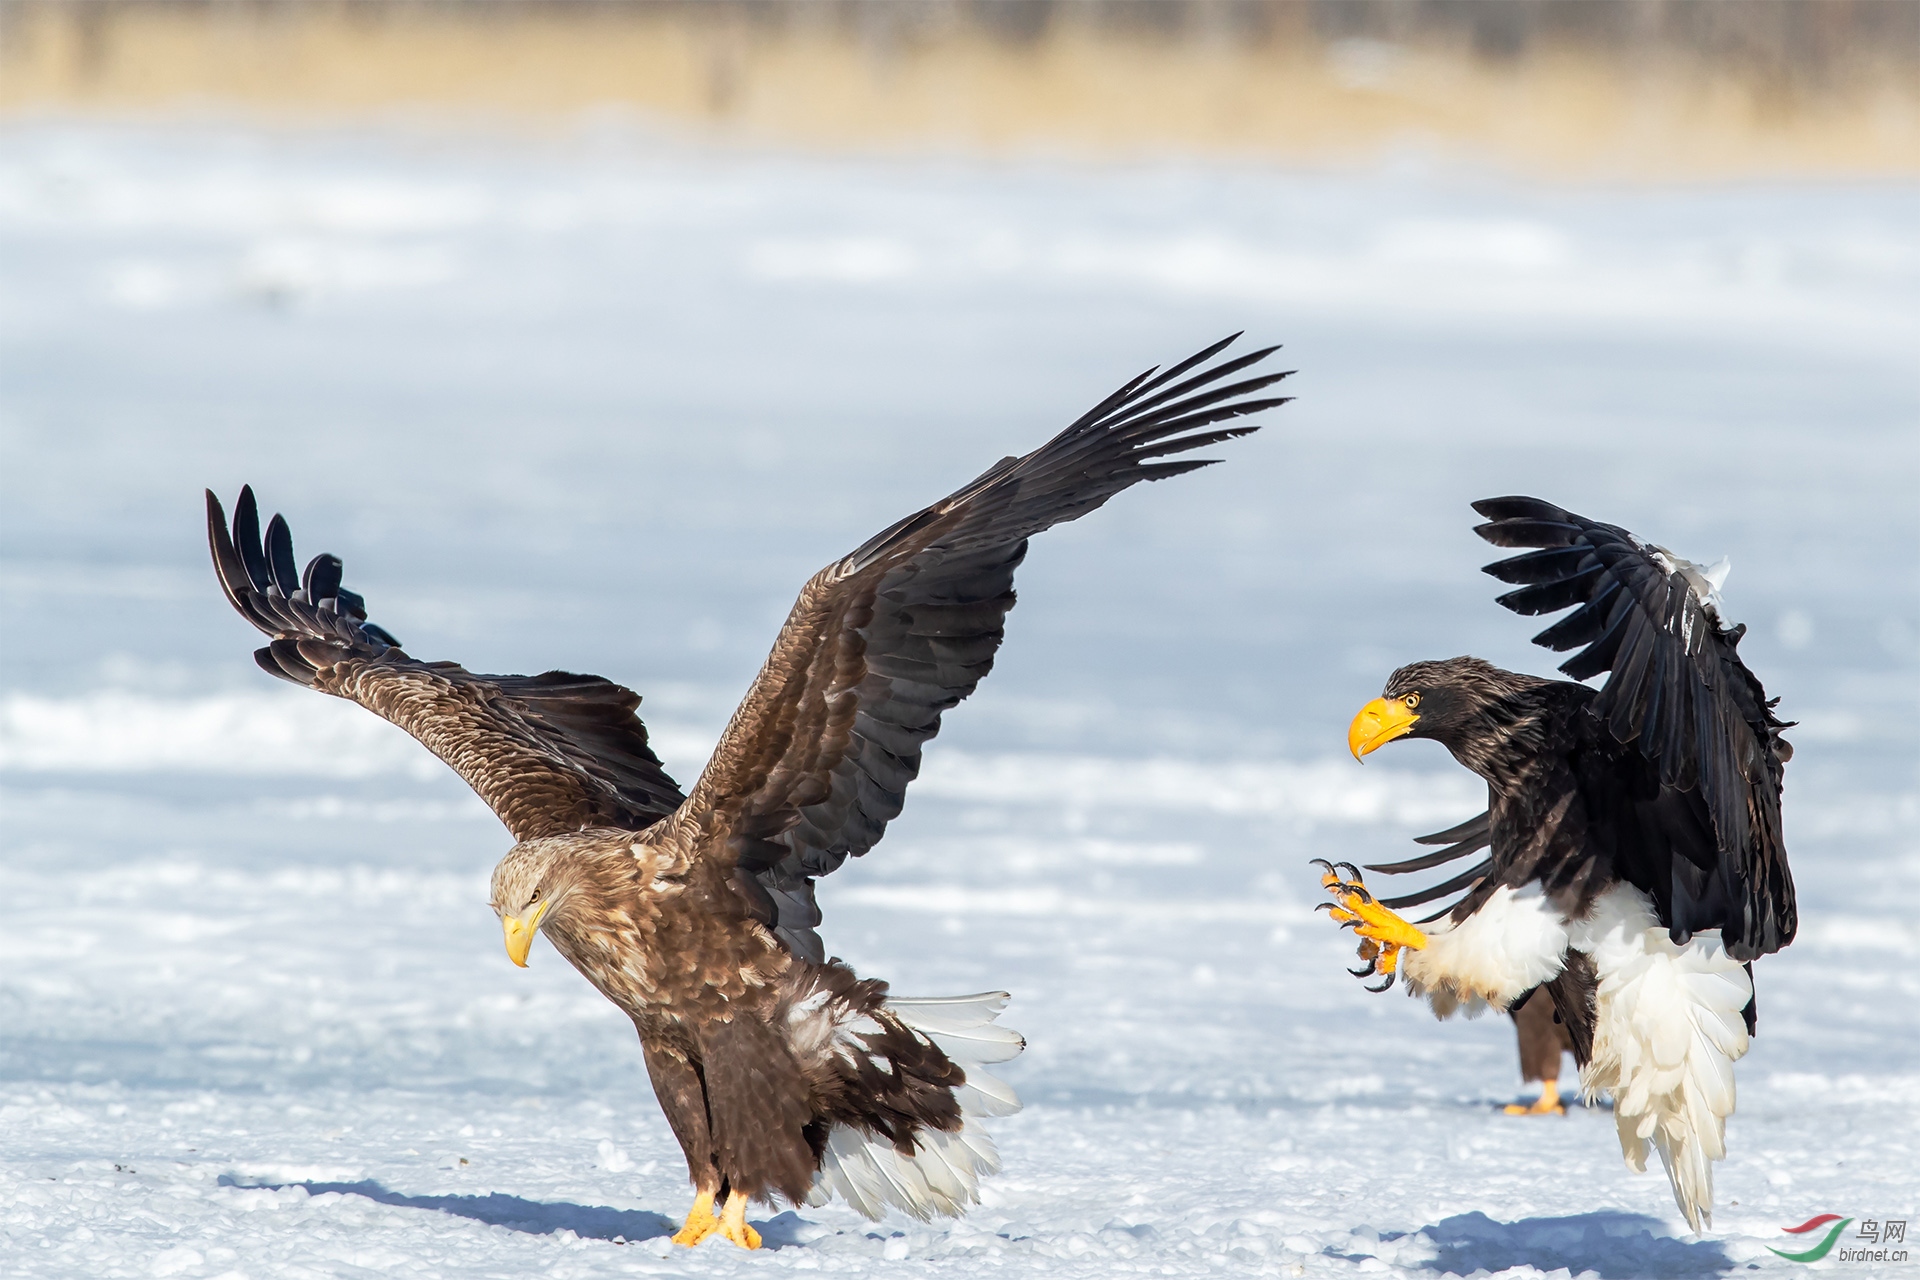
(1825, 1246)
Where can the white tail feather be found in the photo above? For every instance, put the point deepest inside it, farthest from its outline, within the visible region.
(963, 1026)
(985, 1095)
(943, 1174)
(1668, 1028)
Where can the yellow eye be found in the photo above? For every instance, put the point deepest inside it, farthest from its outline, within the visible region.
(1412, 700)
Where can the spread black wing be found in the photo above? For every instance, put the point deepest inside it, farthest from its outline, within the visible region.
(1678, 693)
(549, 753)
(879, 645)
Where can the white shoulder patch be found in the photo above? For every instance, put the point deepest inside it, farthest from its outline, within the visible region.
(1703, 580)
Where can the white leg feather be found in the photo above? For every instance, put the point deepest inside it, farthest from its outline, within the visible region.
(1511, 945)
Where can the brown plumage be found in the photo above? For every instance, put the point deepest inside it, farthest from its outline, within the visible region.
(781, 1072)
(1542, 1038)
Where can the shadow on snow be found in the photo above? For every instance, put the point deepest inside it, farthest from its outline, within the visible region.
(535, 1217)
(1616, 1246)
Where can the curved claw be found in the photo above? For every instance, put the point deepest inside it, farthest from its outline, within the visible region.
(1383, 934)
(1323, 864)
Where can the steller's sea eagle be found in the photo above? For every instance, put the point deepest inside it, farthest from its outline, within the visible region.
(1636, 866)
(781, 1073)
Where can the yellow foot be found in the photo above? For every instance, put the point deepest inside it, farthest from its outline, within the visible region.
(733, 1222)
(700, 1221)
(1383, 934)
(1547, 1104)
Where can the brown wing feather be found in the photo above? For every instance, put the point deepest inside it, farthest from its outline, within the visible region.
(549, 753)
(818, 756)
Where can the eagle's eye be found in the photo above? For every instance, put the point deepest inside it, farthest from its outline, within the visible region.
(535, 898)
(1412, 700)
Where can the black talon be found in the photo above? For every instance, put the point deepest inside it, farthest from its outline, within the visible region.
(1322, 862)
(1353, 872)
(1349, 924)
(1385, 985)
(1373, 967)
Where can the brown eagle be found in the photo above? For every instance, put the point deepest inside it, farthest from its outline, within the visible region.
(780, 1071)
(1636, 864)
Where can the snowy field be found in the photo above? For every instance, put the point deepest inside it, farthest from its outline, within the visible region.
(602, 403)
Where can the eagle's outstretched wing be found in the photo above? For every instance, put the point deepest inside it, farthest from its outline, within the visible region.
(1677, 692)
(550, 753)
(817, 758)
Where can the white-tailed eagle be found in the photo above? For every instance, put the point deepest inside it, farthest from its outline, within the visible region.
(781, 1072)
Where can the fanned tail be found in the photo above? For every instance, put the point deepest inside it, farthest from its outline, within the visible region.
(966, 1030)
(943, 1174)
(1668, 1028)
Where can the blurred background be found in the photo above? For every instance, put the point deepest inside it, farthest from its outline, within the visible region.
(584, 332)
(1643, 87)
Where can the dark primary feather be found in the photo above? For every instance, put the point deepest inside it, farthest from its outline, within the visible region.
(879, 645)
(1465, 880)
(1677, 692)
(1474, 828)
(1470, 836)
(549, 753)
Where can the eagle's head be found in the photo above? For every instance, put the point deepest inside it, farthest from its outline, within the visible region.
(1457, 702)
(530, 886)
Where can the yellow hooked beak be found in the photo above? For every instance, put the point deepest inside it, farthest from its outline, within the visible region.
(520, 933)
(1380, 721)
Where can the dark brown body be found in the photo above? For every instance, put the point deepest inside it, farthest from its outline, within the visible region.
(755, 1054)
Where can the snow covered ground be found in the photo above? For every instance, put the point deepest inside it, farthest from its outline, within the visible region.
(602, 402)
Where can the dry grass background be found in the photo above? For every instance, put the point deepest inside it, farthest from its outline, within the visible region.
(1637, 88)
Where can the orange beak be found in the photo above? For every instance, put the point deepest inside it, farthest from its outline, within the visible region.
(1380, 721)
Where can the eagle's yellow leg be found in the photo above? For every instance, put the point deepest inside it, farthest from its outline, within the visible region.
(733, 1222)
(1547, 1104)
(700, 1221)
(1384, 935)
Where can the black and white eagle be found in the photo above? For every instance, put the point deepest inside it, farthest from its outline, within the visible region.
(1635, 864)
